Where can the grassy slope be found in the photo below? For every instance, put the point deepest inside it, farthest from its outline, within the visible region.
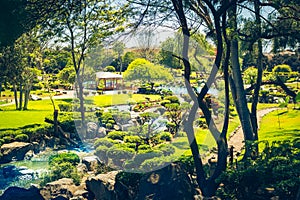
(38, 110)
(117, 99)
(289, 125)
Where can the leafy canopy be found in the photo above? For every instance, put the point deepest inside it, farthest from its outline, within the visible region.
(143, 70)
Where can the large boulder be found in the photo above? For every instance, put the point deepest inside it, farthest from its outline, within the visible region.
(170, 182)
(14, 193)
(92, 129)
(63, 189)
(91, 162)
(14, 151)
(101, 187)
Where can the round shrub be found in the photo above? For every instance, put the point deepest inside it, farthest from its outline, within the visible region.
(145, 155)
(167, 149)
(152, 164)
(166, 136)
(132, 139)
(109, 69)
(22, 138)
(1, 142)
(144, 147)
(117, 135)
(101, 153)
(165, 102)
(119, 154)
(172, 99)
(104, 142)
(64, 157)
(108, 125)
(7, 139)
(155, 140)
(65, 107)
(111, 121)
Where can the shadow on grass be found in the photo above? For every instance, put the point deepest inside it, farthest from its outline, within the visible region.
(282, 113)
(181, 144)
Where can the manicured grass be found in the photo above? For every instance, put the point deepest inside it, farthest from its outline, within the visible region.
(289, 125)
(117, 99)
(204, 139)
(36, 113)
(2, 102)
(15, 119)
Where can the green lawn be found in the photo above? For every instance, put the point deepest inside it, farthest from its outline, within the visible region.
(117, 99)
(289, 125)
(38, 110)
(36, 113)
(204, 139)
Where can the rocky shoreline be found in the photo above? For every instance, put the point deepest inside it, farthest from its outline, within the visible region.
(170, 182)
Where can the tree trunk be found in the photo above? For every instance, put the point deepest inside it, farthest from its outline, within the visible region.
(26, 96)
(259, 65)
(81, 102)
(240, 95)
(16, 96)
(55, 122)
(21, 97)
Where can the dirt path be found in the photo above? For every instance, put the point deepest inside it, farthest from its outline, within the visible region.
(236, 138)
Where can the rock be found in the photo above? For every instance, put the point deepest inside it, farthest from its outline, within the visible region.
(15, 193)
(63, 189)
(101, 132)
(58, 189)
(91, 162)
(29, 155)
(102, 186)
(91, 130)
(170, 182)
(14, 150)
(117, 127)
(81, 168)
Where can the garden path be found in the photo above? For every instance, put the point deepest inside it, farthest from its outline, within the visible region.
(236, 138)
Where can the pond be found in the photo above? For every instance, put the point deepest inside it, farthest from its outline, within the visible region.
(21, 173)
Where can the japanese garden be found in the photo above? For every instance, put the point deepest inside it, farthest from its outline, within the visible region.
(136, 99)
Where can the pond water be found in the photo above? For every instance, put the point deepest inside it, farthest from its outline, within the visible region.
(21, 173)
(26, 172)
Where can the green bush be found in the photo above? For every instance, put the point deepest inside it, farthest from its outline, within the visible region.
(104, 142)
(111, 121)
(106, 116)
(155, 140)
(152, 164)
(64, 157)
(132, 139)
(10, 133)
(129, 179)
(7, 139)
(108, 125)
(144, 147)
(22, 138)
(167, 149)
(172, 99)
(1, 142)
(145, 155)
(117, 135)
(165, 102)
(166, 136)
(62, 170)
(109, 69)
(277, 167)
(119, 154)
(101, 153)
(65, 107)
